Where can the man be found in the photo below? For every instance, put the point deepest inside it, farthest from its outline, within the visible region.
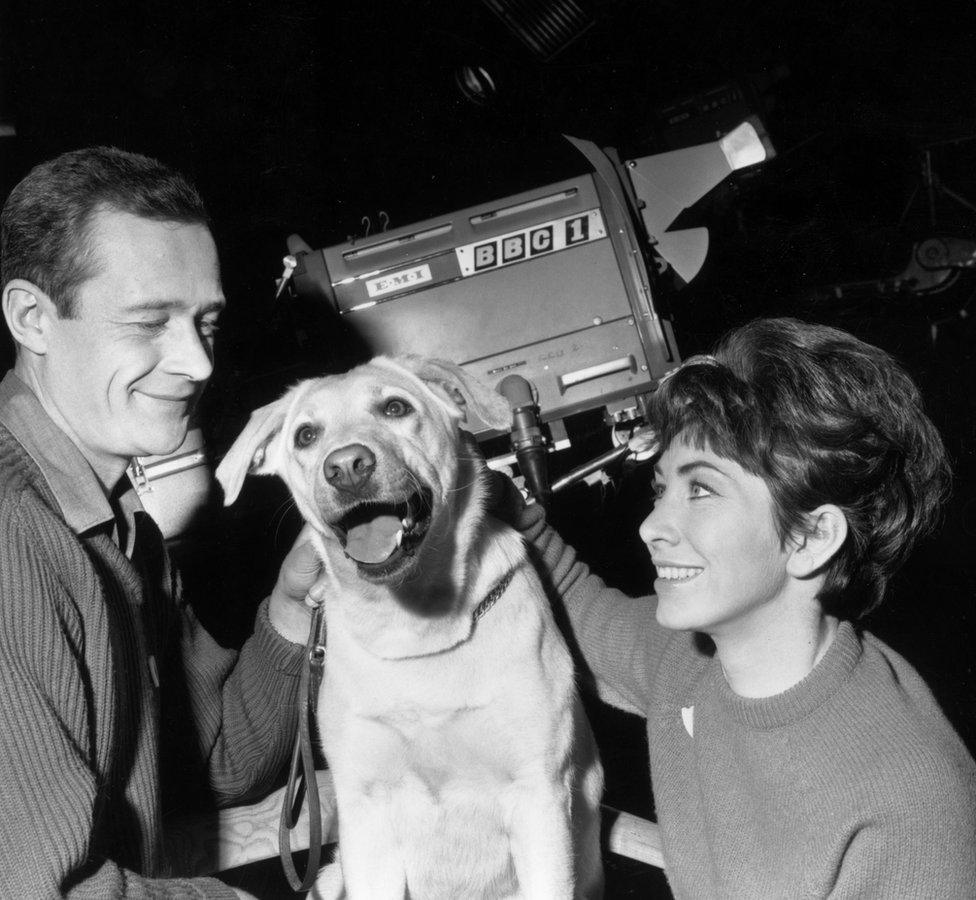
(111, 693)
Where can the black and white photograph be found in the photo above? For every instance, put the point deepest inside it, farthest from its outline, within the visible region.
(488, 449)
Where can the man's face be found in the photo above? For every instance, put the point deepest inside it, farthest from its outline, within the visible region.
(124, 375)
(712, 537)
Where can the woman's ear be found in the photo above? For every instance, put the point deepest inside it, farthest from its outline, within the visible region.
(26, 308)
(825, 535)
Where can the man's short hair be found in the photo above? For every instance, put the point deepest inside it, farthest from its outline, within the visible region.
(45, 227)
(821, 417)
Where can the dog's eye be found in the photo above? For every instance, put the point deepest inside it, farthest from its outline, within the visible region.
(397, 408)
(306, 435)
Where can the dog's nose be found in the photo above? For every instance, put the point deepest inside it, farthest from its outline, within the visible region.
(350, 467)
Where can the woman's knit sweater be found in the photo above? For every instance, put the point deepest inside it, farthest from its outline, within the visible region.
(851, 783)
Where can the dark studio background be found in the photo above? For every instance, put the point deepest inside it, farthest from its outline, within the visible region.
(307, 116)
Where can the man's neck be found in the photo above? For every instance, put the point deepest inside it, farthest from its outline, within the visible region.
(108, 470)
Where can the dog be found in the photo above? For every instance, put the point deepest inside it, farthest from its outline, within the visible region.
(463, 763)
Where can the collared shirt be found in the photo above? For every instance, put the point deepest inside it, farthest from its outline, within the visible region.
(72, 480)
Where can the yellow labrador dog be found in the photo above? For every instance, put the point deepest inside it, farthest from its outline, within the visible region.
(463, 764)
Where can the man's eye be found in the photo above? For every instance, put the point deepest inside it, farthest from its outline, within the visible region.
(397, 408)
(305, 436)
(152, 326)
(209, 327)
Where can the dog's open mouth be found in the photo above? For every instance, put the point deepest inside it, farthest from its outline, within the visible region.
(379, 534)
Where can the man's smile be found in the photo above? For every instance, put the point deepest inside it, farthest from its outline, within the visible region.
(183, 397)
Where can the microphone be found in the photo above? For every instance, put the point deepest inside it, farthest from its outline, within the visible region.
(528, 442)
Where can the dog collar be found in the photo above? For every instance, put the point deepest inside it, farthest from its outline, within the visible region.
(493, 596)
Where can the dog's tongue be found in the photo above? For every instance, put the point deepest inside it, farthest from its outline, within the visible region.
(373, 541)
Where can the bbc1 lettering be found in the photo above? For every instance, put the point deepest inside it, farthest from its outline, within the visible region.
(517, 246)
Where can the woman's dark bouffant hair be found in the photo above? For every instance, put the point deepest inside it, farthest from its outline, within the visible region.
(821, 417)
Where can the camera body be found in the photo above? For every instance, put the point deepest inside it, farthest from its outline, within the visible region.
(549, 284)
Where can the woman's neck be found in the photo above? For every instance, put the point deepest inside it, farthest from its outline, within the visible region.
(777, 653)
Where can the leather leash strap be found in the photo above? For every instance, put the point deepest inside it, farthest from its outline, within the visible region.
(301, 772)
(302, 783)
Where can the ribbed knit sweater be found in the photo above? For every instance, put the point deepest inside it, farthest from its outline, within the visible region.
(851, 784)
(91, 748)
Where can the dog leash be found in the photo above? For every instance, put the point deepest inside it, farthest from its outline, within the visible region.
(302, 784)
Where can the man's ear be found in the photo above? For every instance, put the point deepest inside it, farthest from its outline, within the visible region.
(825, 535)
(26, 309)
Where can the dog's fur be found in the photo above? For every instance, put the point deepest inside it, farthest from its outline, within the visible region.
(462, 760)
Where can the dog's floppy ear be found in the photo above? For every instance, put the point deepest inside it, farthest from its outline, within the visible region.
(249, 453)
(460, 391)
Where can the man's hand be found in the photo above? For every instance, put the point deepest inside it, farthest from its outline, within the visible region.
(290, 615)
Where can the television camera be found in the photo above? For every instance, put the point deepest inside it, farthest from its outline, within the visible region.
(552, 295)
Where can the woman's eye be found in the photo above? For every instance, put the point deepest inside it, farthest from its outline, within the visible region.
(397, 408)
(657, 490)
(700, 490)
(305, 436)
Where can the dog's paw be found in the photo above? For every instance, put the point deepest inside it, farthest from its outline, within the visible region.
(329, 884)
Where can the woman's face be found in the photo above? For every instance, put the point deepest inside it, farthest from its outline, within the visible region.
(712, 537)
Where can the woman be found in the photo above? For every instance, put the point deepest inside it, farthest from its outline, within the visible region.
(792, 754)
